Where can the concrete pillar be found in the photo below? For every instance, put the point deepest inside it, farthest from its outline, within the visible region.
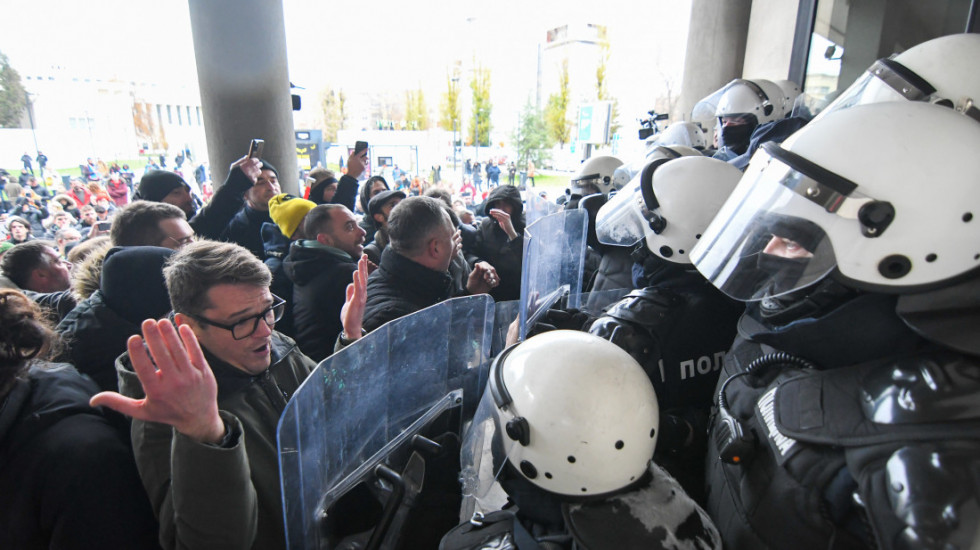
(769, 45)
(240, 48)
(715, 49)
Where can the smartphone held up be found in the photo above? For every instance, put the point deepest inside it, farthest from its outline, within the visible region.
(255, 148)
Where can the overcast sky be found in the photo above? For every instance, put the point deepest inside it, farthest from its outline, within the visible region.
(381, 45)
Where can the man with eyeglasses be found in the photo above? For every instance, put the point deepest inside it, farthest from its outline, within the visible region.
(205, 391)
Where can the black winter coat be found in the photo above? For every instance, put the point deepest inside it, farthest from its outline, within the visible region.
(246, 229)
(68, 479)
(401, 286)
(94, 336)
(320, 275)
(211, 220)
(492, 245)
(275, 248)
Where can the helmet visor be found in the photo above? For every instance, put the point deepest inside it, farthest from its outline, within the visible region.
(766, 240)
(626, 220)
(590, 184)
(886, 80)
(482, 457)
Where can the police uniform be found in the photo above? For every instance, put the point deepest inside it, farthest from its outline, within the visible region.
(679, 329)
(864, 436)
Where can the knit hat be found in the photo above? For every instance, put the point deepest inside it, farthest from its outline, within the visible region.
(321, 178)
(157, 184)
(266, 165)
(288, 211)
(132, 282)
(378, 201)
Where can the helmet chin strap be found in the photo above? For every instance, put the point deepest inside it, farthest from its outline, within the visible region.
(805, 302)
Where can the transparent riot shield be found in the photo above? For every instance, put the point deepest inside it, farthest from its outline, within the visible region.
(377, 425)
(504, 313)
(554, 264)
(537, 207)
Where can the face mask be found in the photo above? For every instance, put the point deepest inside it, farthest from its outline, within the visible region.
(736, 137)
(784, 273)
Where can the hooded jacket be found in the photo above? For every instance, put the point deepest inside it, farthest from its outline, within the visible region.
(320, 275)
(227, 496)
(245, 229)
(67, 477)
(95, 335)
(346, 192)
(401, 286)
(132, 289)
(493, 246)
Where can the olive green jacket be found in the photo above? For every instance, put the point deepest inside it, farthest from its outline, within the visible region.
(227, 495)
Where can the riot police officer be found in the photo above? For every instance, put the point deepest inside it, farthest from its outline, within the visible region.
(567, 427)
(847, 410)
(677, 325)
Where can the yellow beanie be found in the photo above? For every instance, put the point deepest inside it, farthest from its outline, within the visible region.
(288, 212)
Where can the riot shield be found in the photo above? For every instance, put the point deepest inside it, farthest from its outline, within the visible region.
(554, 263)
(355, 439)
(504, 314)
(537, 207)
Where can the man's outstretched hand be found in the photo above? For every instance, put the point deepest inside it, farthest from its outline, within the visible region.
(180, 388)
(352, 314)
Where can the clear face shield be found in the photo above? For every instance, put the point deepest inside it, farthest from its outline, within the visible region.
(886, 80)
(771, 236)
(703, 112)
(484, 450)
(626, 219)
(590, 184)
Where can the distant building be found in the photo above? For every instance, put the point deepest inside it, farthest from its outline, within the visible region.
(76, 117)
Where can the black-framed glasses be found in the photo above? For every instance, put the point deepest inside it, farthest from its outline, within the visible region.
(246, 327)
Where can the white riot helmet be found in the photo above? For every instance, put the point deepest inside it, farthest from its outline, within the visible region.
(790, 91)
(883, 197)
(596, 176)
(670, 204)
(573, 413)
(687, 134)
(758, 97)
(627, 172)
(941, 69)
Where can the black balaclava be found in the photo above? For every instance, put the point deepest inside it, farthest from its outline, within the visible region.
(737, 136)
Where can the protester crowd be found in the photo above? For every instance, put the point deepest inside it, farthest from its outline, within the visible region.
(788, 362)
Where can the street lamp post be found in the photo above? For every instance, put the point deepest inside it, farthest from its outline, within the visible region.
(455, 81)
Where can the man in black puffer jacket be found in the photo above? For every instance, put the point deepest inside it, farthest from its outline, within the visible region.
(245, 228)
(500, 240)
(320, 268)
(414, 270)
(132, 289)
